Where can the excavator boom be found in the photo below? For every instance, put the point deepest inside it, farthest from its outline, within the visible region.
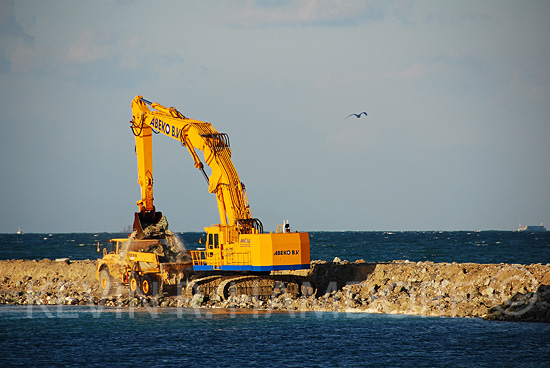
(195, 135)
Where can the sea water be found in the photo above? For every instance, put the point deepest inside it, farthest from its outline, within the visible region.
(76, 336)
(372, 246)
(41, 336)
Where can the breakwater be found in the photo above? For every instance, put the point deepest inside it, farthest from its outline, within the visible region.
(492, 291)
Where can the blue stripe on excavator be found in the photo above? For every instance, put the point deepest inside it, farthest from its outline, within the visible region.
(252, 268)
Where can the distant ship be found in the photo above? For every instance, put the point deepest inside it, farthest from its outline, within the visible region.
(532, 228)
(19, 231)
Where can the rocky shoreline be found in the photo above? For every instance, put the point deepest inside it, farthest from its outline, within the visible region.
(510, 292)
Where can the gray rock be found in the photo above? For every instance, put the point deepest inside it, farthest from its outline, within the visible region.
(197, 300)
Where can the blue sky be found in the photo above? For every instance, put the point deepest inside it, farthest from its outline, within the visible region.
(457, 95)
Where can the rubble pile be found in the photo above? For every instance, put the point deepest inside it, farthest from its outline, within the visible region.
(493, 291)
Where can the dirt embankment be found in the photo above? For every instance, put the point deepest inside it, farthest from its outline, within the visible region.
(492, 291)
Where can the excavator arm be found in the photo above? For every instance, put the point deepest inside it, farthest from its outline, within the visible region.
(233, 206)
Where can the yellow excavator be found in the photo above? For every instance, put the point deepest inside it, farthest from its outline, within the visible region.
(239, 257)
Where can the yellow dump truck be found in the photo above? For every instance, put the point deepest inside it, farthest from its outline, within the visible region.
(147, 266)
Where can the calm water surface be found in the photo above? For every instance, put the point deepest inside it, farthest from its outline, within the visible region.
(87, 336)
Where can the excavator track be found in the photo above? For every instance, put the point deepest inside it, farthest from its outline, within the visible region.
(222, 287)
(203, 285)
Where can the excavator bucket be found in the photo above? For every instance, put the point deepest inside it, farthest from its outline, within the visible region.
(142, 220)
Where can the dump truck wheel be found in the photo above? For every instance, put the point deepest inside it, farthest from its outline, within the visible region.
(149, 285)
(134, 284)
(105, 281)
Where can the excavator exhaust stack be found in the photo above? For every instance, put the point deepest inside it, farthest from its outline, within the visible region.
(143, 220)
